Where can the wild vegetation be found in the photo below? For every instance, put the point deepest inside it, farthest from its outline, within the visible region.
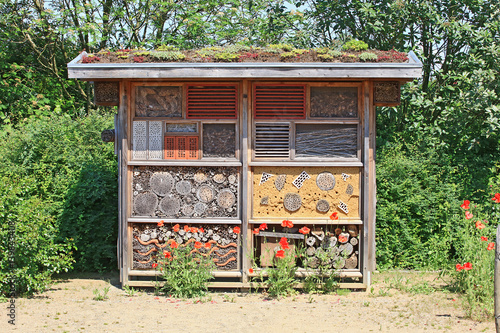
(438, 148)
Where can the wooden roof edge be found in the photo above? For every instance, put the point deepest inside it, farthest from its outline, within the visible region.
(404, 71)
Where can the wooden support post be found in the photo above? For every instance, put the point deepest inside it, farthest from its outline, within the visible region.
(366, 185)
(122, 136)
(245, 195)
(497, 281)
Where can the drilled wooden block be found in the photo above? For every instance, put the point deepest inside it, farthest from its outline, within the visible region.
(170, 205)
(145, 204)
(292, 202)
(325, 181)
(386, 93)
(226, 199)
(199, 194)
(206, 193)
(323, 206)
(160, 101)
(219, 178)
(183, 187)
(161, 183)
(106, 93)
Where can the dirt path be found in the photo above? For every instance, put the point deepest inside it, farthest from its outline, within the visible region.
(69, 307)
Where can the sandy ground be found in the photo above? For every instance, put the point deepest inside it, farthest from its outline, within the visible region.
(69, 307)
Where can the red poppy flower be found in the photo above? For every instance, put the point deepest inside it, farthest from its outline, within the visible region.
(334, 216)
(167, 254)
(284, 243)
(186, 228)
(250, 270)
(342, 239)
(465, 205)
(496, 198)
(256, 231)
(280, 254)
(263, 226)
(208, 245)
(236, 230)
(198, 245)
(194, 230)
(174, 245)
(479, 225)
(467, 266)
(201, 230)
(176, 228)
(468, 215)
(287, 224)
(484, 239)
(160, 224)
(154, 265)
(491, 246)
(304, 230)
(459, 267)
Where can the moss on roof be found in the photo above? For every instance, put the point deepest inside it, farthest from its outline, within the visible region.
(350, 52)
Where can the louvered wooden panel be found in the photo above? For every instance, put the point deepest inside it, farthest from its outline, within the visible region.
(279, 101)
(169, 148)
(272, 140)
(181, 148)
(212, 101)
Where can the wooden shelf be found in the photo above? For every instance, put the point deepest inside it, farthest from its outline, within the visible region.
(184, 221)
(307, 162)
(195, 163)
(307, 221)
(216, 274)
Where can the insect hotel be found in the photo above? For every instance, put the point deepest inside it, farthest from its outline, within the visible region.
(240, 154)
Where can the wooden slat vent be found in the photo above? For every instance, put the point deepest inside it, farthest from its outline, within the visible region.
(212, 101)
(280, 101)
(272, 140)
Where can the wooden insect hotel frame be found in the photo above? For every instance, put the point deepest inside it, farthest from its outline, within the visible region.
(216, 150)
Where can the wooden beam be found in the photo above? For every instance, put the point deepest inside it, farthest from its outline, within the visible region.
(366, 183)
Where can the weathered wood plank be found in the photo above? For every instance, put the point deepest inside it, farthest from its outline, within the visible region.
(280, 234)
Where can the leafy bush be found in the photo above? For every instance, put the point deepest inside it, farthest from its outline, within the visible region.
(415, 206)
(60, 174)
(37, 254)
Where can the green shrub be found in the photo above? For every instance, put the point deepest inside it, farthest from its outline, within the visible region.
(63, 180)
(355, 45)
(37, 254)
(415, 207)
